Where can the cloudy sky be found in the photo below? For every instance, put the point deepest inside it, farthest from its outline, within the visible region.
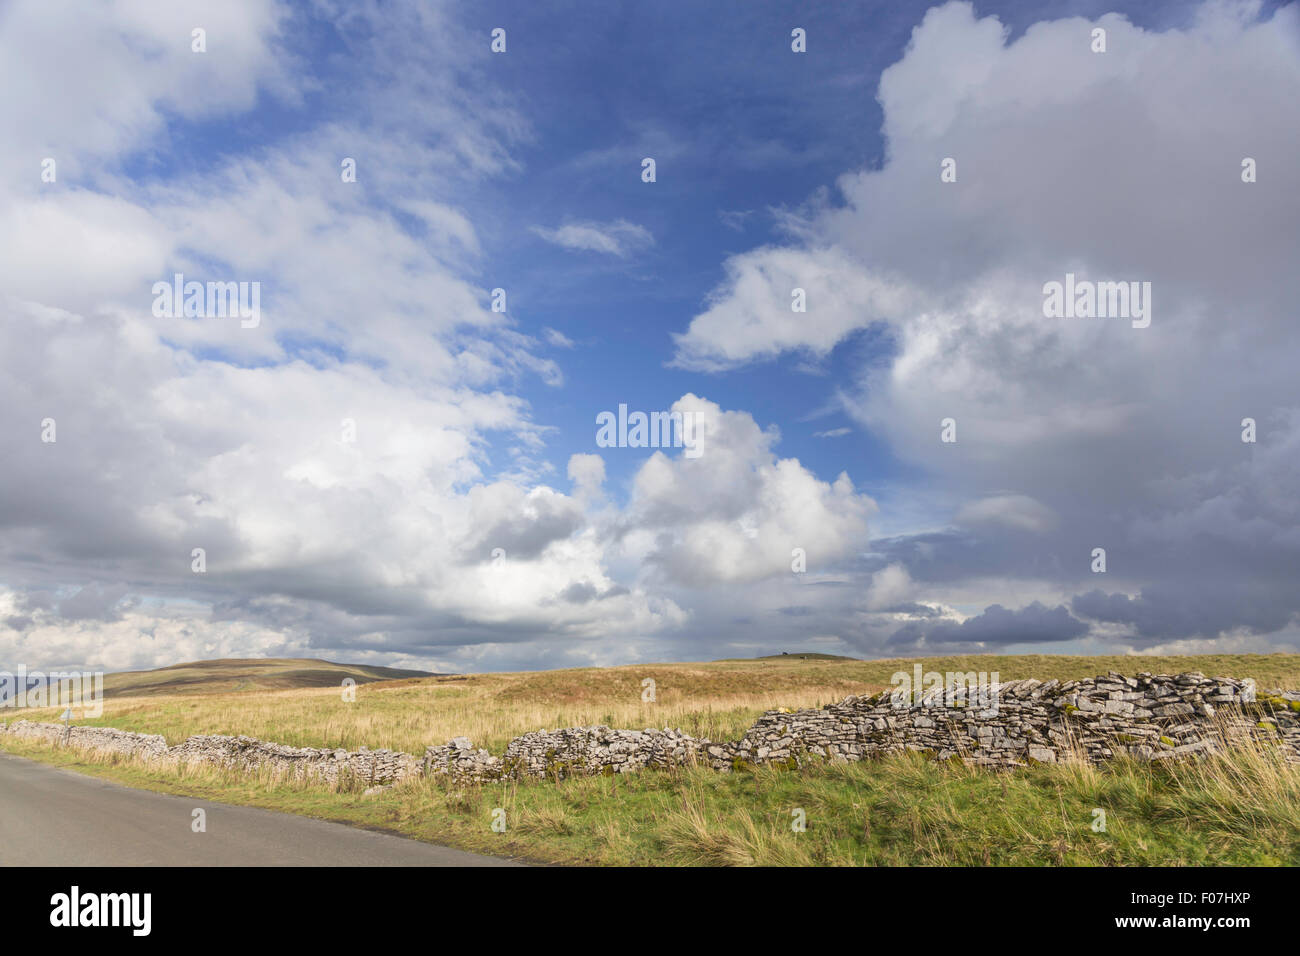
(395, 462)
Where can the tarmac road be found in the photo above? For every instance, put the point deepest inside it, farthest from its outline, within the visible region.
(55, 817)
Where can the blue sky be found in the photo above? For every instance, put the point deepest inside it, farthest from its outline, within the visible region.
(522, 171)
(747, 130)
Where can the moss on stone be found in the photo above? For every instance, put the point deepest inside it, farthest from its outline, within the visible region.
(1271, 704)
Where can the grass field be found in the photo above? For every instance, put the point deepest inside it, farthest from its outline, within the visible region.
(718, 700)
(901, 810)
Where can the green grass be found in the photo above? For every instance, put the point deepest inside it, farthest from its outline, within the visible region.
(1243, 809)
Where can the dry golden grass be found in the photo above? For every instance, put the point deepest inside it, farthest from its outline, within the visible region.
(718, 700)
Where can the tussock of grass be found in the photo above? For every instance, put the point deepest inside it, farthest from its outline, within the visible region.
(1240, 808)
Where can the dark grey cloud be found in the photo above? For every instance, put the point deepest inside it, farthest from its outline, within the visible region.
(93, 602)
(526, 535)
(995, 627)
(579, 592)
(1161, 613)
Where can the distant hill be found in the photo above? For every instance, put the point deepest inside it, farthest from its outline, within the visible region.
(795, 656)
(241, 674)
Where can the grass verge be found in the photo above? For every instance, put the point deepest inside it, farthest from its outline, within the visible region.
(1239, 809)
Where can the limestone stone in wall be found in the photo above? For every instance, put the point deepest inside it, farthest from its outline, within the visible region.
(458, 758)
(593, 750)
(1148, 717)
(247, 754)
(101, 739)
(366, 767)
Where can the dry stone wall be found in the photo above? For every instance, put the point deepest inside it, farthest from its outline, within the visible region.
(1149, 717)
(367, 767)
(107, 740)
